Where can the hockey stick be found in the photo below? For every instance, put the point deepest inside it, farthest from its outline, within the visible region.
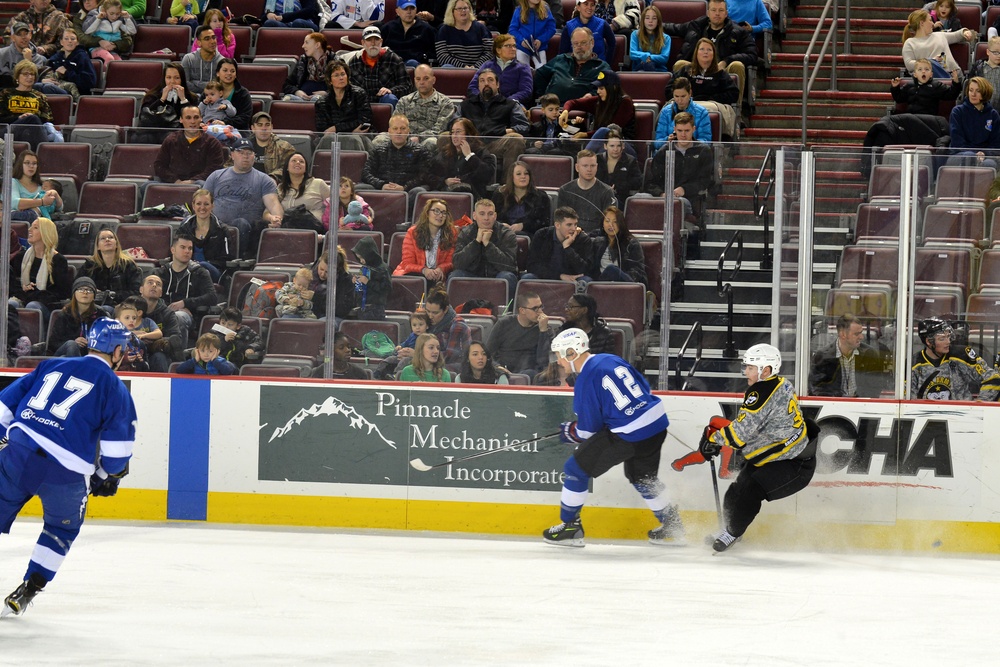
(423, 467)
(715, 487)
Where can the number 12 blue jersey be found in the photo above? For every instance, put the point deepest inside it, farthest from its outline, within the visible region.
(609, 392)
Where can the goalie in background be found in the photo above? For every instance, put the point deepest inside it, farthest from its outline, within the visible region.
(61, 418)
(778, 443)
(620, 421)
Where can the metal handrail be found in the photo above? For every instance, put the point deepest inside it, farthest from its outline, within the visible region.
(729, 352)
(697, 332)
(808, 79)
(760, 206)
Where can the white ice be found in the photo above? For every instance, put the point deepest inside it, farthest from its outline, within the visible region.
(173, 594)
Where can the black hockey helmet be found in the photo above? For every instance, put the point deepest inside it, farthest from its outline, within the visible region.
(933, 326)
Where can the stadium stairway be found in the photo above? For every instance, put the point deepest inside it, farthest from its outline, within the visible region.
(837, 123)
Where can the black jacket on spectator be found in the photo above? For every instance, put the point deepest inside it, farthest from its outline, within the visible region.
(301, 72)
(354, 110)
(494, 117)
(693, 170)
(547, 259)
(244, 107)
(193, 286)
(166, 320)
(626, 179)
(925, 98)
(600, 338)
(536, 215)
(417, 43)
(476, 172)
(67, 327)
(408, 166)
(59, 284)
(123, 283)
(215, 245)
(826, 379)
(718, 87)
(486, 262)
(904, 128)
(631, 261)
(733, 42)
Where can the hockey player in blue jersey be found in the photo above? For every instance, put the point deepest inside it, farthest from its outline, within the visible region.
(70, 426)
(618, 421)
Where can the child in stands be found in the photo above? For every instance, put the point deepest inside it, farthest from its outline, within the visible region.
(924, 94)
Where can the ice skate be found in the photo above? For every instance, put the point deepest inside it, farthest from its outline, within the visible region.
(569, 534)
(18, 601)
(722, 541)
(670, 533)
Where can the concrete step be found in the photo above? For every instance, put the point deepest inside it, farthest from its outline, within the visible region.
(812, 136)
(818, 95)
(883, 12)
(831, 108)
(844, 84)
(864, 48)
(862, 123)
(883, 72)
(851, 59)
(829, 204)
(801, 24)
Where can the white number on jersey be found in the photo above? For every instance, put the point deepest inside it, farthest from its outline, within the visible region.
(78, 388)
(621, 400)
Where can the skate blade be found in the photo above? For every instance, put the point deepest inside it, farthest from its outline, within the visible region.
(575, 542)
(670, 542)
(7, 611)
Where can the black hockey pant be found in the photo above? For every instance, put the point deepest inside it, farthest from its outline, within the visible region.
(770, 482)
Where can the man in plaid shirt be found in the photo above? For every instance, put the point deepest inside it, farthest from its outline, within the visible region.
(379, 71)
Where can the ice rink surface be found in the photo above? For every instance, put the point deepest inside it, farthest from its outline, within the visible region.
(173, 594)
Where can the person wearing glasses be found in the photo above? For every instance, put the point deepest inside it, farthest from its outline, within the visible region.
(69, 330)
(520, 341)
(989, 68)
(514, 77)
(937, 375)
(199, 66)
(429, 245)
(581, 313)
(461, 41)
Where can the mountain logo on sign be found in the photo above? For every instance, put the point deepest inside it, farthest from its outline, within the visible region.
(331, 406)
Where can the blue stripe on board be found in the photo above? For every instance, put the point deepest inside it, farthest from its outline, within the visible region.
(187, 480)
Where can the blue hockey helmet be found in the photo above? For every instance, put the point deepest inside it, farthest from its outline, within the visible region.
(106, 334)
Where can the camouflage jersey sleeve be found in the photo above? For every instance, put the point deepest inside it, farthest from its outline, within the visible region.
(769, 425)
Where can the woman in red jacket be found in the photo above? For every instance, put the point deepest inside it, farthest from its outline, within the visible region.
(429, 244)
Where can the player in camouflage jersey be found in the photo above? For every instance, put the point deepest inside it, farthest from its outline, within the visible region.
(938, 376)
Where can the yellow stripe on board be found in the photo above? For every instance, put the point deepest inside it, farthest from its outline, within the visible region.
(139, 504)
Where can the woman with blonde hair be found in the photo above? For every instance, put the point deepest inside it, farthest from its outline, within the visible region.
(114, 273)
(532, 26)
(429, 245)
(39, 275)
(920, 41)
(428, 362)
(461, 40)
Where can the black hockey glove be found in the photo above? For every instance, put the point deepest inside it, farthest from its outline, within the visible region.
(706, 447)
(106, 485)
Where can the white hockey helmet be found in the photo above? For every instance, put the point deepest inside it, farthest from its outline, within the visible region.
(762, 355)
(571, 339)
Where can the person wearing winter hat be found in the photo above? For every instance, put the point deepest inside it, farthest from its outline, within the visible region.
(373, 283)
(73, 322)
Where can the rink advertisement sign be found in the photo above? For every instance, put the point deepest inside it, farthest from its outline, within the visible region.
(369, 435)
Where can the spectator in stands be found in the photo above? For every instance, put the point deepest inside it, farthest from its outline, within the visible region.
(205, 359)
(622, 15)
(734, 44)
(190, 155)
(225, 40)
(200, 65)
(346, 194)
(297, 188)
(519, 204)
(46, 23)
(649, 48)
(920, 41)
(499, 120)
(345, 287)
(373, 284)
(113, 28)
(432, 11)
(975, 127)
(160, 348)
(461, 41)
(603, 35)
(71, 67)
(554, 375)
(449, 328)
(478, 367)
(520, 341)
(161, 106)
(25, 109)
(244, 195)
(550, 136)
(185, 12)
(115, 274)
(487, 248)
(269, 152)
(295, 299)
(848, 366)
(187, 284)
(617, 254)
(243, 344)
(712, 87)
(532, 27)
(753, 14)
(357, 15)
(307, 81)
(694, 166)
(581, 313)
(293, 14)
(429, 245)
(939, 375)
(20, 49)
(128, 314)
(428, 362)
(615, 167)
(29, 199)
(943, 15)
(682, 102)
(39, 275)
(211, 242)
(345, 109)
(235, 93)
(560, 252)
(989, 69)
(923, 94)
(571, 75)
(69, 332)
(398, 164)
(380, 72)
(84, 8)
(343, 369)
(514, 79)
(409, 36)
(585, 194)
(611, 106)
(462, 164)
(427, 110)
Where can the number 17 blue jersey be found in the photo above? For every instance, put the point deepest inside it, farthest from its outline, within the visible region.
(609, 392)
